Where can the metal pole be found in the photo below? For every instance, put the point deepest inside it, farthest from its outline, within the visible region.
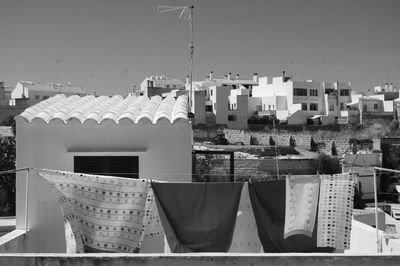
(191, 59)
(376, 214)
(26, 199)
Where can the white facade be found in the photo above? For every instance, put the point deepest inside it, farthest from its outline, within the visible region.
(226, 100)
(36, 92)
(310, 98)
(163, 149)
(159, 84)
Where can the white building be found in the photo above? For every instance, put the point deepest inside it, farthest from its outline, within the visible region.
(159, 84)
(304, 99)
(33, 92)
(223, 101)
(134, 137)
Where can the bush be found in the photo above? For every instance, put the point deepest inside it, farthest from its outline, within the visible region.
(313, 145)
(333, 149)
(329, 165)
(253, 140)
(292, 142)
(271, 141)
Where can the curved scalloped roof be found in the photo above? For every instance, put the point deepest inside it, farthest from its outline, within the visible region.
(116, 109)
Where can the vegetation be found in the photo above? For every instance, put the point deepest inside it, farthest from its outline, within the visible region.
(204, 166)
(329, 165)
(7, 162)
(253, 140)
(333, 149)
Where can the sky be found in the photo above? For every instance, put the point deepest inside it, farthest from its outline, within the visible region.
(109, 46)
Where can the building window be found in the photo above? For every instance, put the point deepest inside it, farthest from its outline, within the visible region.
(331, 108)
(304, 107)
(123, 166)
(365, 108)
(234, 105)
(231, 118)
(45, 97)
(208, 108)
(313, 107)
(344, 92)
(375, 106)
(211, 92)
(299, 92)
(313, 92)
(329, 91)
(342, 106)
(37, 97)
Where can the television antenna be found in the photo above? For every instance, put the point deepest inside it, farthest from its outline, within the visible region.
(186, 12)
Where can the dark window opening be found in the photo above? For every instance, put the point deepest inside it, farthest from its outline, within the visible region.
(299, 92)
(209, 108)
(123, 166)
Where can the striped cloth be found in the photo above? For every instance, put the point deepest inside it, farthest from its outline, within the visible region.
(101, 213)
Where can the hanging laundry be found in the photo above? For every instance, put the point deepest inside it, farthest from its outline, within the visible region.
(107, 212)
(335, 210)
(198, 217)
(153, 237)
(301, 205)
(268, 202)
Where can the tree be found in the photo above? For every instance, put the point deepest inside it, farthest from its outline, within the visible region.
(333, 149)
(329, 165)
(313, 145)
(271, 141)
(204, 164)
(253, 140)
(7, 181)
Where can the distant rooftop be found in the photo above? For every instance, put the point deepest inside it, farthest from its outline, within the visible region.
(116, 109)
(37, 86)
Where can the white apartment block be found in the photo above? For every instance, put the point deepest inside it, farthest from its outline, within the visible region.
(33, 92)
(304, 99)
(223, 100)
(159, 84)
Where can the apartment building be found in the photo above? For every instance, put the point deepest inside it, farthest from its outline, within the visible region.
(304, 99)
(30, 93)
(159, 84)
(223, 101)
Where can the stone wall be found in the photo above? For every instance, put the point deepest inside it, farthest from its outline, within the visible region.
(265, 168)
(302, 138)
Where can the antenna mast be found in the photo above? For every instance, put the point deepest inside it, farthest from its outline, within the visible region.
(186, 13)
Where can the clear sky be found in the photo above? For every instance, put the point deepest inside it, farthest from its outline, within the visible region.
(109, 45)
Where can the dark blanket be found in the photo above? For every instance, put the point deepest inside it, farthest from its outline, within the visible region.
(268, 202)
(198, 217)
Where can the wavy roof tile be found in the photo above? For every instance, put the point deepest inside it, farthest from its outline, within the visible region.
(116, 109)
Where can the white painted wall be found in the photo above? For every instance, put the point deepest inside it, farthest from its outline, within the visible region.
(164, 154)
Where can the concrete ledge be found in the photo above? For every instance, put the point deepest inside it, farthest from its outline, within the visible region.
(198, 259)
(14, 241)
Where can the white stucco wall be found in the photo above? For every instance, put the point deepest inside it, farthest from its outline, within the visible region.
(164, 154)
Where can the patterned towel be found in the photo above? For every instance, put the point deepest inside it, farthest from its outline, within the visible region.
(335, 211)
(301, 205)
(101, 213)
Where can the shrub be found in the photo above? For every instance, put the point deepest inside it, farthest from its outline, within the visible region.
(329, 165)
(313, 145)
(292, 142)
(271, 141)
(253, 140)
(333, 149)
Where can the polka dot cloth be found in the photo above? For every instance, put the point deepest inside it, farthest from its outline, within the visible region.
(104, 213)
(301, 205)
(335, 211)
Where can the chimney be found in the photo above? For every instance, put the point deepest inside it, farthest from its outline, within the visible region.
(211, 75)
(386, 87)
(187, 80)
(255, 77)
(229, 75)
(283, 73)
(391, 87)
(237, 76)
